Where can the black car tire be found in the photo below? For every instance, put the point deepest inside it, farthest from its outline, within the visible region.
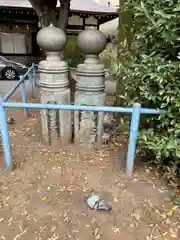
(9, 73)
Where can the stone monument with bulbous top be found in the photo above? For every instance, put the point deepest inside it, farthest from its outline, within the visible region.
(55, 124)
(90, 77)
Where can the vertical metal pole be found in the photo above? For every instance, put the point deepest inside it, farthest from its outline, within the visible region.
(4, 135)
(34, 74)
(23, 94)
(34, 80)
(100, 129)
(30, 83)
(133, 139)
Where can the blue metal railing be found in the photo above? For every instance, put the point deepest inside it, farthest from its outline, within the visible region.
(21, 82)
(136, 110)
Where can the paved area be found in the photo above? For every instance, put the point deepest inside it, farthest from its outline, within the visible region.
(5, 86)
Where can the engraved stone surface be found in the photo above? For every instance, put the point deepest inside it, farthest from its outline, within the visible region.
(55, 124)
(90, 89)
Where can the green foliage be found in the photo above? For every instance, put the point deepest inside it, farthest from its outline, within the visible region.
(72, 54)
(108, 56)
(151, 76)
(176, 198)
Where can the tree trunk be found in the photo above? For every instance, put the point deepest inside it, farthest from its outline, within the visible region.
(64, 14)
(121, 37)
(46, 11)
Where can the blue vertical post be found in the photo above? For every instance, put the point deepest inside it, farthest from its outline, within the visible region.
(30, 83)
(5, 136)
(133, 139)
(34, 74)
(23, 94)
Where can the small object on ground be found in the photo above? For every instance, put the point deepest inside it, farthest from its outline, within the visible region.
(98, 204)
(11, 120)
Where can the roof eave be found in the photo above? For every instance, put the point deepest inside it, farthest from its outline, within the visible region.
(71, 10)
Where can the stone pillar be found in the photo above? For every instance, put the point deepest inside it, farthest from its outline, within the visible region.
(90, 86)
(56, 125)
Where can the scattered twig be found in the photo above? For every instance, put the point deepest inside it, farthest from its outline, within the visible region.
(150, 237)
(19, 235)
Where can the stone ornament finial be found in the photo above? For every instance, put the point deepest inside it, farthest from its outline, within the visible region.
(91, 42)
(51, 39)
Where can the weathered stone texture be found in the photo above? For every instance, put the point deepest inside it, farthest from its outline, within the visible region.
(55, 124)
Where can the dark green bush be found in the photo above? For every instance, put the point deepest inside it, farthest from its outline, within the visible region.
(151, 76)
(72, 54)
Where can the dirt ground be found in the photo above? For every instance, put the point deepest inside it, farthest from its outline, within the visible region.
(43, 196)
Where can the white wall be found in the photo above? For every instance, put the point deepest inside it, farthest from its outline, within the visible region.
(76, 20)
(91, 20)
(16, 39)
(13, 43)
(109, 28)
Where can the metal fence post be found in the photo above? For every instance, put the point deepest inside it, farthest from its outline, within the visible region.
(30, 83)
(23, 94)
(34, 73)
(133, 139)
(5, 136)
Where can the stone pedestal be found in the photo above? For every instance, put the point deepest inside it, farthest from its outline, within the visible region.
(53, 82)
(90, 86)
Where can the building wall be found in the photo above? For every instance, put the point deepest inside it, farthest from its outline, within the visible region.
(76, 20)
(86, 23)
(91, 21)
(16, 39)
(109, 28)
(10, 36)
(18, 43)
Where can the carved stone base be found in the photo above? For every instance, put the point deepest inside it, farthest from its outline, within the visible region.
(88, 126)
(55, 124)
(90, 78)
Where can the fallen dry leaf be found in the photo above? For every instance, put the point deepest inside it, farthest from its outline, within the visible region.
(98, 236)
(116, 230)
(136, 216)
(96, 231)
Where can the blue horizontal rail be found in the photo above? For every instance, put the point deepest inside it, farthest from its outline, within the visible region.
(80, 108)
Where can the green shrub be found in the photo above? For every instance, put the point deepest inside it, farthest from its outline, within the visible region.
(71, 53)
(107, 57)
(151, 76)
